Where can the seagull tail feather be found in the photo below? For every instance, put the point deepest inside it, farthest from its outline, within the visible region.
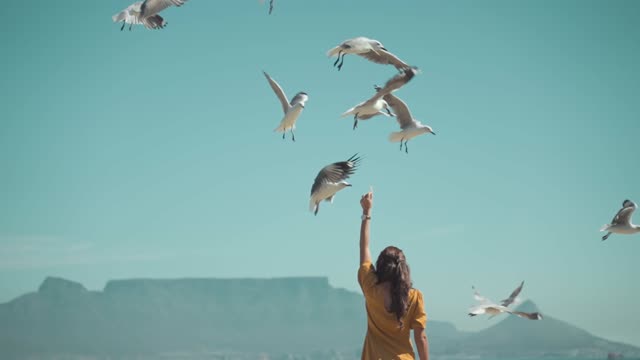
(280, 128)
(348, 112)
(334, 51)
(118, 17)
(395, 136)
(605, 227)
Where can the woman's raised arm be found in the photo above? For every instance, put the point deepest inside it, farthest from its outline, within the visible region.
(367, 203)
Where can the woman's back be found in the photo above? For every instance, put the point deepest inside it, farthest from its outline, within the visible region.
(385, 338)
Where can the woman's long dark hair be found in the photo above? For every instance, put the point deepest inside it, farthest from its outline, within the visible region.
(392, 267)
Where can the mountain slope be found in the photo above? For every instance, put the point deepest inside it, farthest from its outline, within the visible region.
(547, 337)
(146, 318)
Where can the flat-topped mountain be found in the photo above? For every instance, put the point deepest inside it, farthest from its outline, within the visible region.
(245, 318)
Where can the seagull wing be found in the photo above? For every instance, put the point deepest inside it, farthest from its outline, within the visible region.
(403, 115)
(485, 302)
(381, 56)
(279, 92)
(152, 7)
(336, 172)
(508, 301)
(623, 217)
(394, 84)
(154, 22)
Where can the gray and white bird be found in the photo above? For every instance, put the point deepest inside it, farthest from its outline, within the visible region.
(145, 13)
(331, 179)
(130, 16)
(621, 223)
(292, 110)
(374, 106)
(370, 49)
(489, 307)
(409, 126)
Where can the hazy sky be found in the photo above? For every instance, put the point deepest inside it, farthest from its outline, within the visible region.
(151, 153)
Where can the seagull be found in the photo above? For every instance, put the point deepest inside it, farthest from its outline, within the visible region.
(373, 50)
(621, 223)
(331, 179)
(291, 110)
(145, 13)
(128, 16)
(487, 306)
(410, 126)
(372, 107)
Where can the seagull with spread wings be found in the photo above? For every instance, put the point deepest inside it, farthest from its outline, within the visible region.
(374, 106)
(331, 179)
(370, 49)
(621, 223)
(145, 13)
(409, 126)
(292, 110)
(487, 306)
(130, 16)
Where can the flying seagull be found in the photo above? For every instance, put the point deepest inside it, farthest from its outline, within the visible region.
(292, 110)
(372, 107)
(409, 126)
(373, 50)
(145, 13)
(331, 179)
(130, 16)
(487, 306)
(621, 223)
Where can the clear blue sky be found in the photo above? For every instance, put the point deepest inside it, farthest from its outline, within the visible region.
(151, 153)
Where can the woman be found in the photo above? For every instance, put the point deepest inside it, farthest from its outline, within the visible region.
(394, 308)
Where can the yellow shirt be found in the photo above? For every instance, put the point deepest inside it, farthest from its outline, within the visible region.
(384, 340)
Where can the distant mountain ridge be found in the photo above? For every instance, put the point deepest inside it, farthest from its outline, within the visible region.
(246, 318)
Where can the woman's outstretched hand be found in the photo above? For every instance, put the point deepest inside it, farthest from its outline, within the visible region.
(367, 203)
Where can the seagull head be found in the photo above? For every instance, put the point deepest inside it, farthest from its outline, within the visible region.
(428, 129)
(377, 45)
(303, 95)
(344, 184)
